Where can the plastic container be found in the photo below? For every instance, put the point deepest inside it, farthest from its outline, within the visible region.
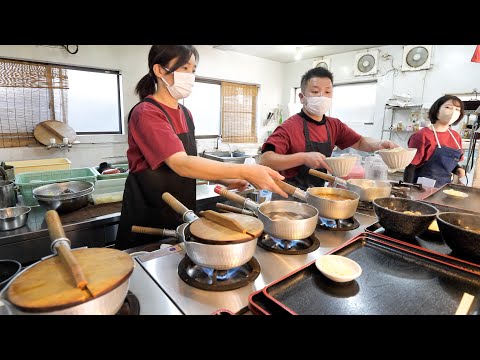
(112, 176)
(39, 165)
(110, 190)
(28, 181)
(358, 171)
(375, 168)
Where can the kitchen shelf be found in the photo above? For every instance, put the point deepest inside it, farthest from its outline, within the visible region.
(393, 109)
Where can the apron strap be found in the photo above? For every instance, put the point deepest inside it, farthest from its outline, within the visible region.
(436, 137)
(456, 142)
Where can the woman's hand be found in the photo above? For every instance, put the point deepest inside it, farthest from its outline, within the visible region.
(234, 184)
(460, 172)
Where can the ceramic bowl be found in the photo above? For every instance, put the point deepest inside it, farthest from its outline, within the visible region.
(338, 268)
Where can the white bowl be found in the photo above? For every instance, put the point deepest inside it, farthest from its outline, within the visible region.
(397, 160)
(338, 268)
(341, 165)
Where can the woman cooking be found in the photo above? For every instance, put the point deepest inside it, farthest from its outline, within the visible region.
(162, 153)
(438, 147)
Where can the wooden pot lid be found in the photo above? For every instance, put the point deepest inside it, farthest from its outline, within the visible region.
(49, 286)
(46, 130)
(208, 232)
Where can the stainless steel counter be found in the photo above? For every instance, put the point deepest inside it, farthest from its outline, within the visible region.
(190, 300)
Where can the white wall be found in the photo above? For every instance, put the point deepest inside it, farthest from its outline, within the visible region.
(451, 72)
(132, 60)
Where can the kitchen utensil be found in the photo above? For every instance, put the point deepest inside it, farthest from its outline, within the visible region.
(234, 209)
(397, 159)
(58, 130)
(330, 209)
(211, 245)
(13, 217)
(8, 269)
(287, 220)
(368, 190)
(390, 213)
(53, 285)
(461, 232)
(226, 221)
(9, 171)
(465, 304)
(7, 194)
(341, 165)
(64, 197)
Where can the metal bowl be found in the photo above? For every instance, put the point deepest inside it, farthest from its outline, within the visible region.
(13, 217)
(64, 197)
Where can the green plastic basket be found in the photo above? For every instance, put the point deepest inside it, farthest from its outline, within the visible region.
(112, 176)
(28, 181)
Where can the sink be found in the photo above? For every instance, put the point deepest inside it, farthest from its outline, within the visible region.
(225, 156)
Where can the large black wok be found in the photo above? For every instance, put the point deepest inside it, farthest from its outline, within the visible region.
(461, 232)
(391, 215)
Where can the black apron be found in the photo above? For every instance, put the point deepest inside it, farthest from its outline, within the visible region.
(142, 198)
(440, 166)
(303, 179)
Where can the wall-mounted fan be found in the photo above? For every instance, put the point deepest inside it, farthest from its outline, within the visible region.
(323, 62)
(366, 63)
(416, 57)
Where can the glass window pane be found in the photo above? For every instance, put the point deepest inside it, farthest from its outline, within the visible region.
(204, 104)
(354, 103)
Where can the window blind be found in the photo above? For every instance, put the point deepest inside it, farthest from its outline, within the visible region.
(239, 109)
(29, 94)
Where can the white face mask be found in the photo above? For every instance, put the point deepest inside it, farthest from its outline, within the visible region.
(182, 84)
(317, 105)
(448, 116)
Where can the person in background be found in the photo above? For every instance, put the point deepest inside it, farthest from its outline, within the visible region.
(438, 147)
(305, 139)
(162, 153)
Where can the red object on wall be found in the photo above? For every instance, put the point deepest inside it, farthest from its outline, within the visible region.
(476, 55)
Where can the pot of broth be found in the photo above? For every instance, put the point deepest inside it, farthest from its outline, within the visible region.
(331, 203)
(283, 219)
(368, 190)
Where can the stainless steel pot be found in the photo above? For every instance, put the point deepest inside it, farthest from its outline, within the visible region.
(368, 190)
(7, 194)
(220, 255)
(13, 217)
(294, 220)
(330, 209)
(64, 197)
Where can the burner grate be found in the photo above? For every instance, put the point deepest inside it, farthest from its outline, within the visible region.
(338, 225)
(288, 247)
(130, 306)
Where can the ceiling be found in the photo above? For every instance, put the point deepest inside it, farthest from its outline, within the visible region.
(286, 53)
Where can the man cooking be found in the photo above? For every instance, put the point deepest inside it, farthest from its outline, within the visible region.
(305, 139)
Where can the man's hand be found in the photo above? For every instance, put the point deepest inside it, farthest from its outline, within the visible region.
(233, 184)
(315, 160)
(387, 144)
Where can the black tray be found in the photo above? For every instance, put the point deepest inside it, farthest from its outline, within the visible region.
(443, 202)
(259, 304)
(395, 280)
(430, 240)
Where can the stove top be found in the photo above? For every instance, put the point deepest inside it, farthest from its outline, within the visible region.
(130, 306)
(288, 247)
(338, 225)
(163, 269)
(218, 280)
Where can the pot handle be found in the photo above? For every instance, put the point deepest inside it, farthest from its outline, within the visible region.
(234, 209)
(179, 208)
(322, 175)
(225, 221)
(61, 246)
(153, 231)
(289, 189)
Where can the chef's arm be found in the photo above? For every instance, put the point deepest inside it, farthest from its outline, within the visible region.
(281, 162)
(370, 144)
(409, 173)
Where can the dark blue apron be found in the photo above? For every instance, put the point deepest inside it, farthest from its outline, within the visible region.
(440, 166)
(303, 179)
(142, 198)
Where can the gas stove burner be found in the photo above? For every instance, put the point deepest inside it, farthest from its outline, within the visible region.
(338, 225)
(130, 306)
(365, 205)
(288, 247)
(218, 280)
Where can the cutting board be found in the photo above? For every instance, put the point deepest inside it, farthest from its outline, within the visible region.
(58, 130)
(207, 231)
(48, 285)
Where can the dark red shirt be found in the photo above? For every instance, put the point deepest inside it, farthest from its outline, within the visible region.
(425, 143)
(288, 138)
(151, 138)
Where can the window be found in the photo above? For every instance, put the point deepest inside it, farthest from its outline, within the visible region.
(224, 108)
(204, 104)
(239, 109)
(354, 103)
(31, 92)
